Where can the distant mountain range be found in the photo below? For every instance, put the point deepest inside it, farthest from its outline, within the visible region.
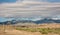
(36, 20)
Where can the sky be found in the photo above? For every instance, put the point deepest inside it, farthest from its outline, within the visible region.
(28, 8)
(7, 1)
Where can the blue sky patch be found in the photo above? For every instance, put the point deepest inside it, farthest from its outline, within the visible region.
(7, 1)
(10, 1)
(53, 0)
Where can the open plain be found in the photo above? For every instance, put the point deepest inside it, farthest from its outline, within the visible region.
(35, 29)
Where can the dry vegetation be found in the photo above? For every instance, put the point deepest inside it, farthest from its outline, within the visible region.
(35, 29)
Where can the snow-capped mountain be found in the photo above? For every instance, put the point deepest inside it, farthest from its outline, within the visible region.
(13, 20)
(29, 18)
(57, 17)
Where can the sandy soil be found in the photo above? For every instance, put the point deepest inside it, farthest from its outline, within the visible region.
(16, 32)
(10, 31)
(52, 25)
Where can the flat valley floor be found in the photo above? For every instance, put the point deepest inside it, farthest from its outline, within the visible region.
(35, 29)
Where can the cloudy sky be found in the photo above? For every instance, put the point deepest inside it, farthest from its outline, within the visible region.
(28, 8)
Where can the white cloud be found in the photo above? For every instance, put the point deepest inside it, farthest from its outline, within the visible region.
(29, 8)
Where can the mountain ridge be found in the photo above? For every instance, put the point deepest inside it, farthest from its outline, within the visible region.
(36, 20)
